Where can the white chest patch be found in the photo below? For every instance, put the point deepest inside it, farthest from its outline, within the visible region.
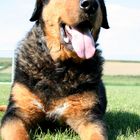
(38, 105)
(58, 111)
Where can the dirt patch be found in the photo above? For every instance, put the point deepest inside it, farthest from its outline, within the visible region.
(121, 68)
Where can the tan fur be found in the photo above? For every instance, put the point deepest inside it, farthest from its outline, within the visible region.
(75, 114)
(71, 14)
(25, 100)
(14, 130)
(3, 108)
(90, 131)
(77, 104)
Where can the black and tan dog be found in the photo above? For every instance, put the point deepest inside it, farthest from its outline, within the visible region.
(58, 71)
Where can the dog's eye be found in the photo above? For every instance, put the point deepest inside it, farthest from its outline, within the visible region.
(95, 5)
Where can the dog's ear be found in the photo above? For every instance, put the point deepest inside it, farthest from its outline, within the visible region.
(37, 10)
(105, 21)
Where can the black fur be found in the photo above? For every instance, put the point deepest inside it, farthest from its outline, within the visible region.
(50, 80)
(36, 69)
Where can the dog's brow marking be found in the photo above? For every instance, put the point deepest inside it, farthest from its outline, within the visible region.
(39, 106)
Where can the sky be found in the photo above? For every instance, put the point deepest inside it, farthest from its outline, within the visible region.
(120, 42)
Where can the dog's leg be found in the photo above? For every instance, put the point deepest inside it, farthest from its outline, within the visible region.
(80, 116)
(14, 129)
(24, 110)
(91, 130)
(88, 130)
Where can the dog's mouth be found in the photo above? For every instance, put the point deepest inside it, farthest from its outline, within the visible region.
(79, 39)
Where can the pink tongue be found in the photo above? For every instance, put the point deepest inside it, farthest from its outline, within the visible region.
(83, 43)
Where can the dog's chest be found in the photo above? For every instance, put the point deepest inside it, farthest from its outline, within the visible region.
(67, 79)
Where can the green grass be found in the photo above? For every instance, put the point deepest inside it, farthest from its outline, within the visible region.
(56, 135)
(123, 111)
(5, 77)
(4, 95)
(122, 80)
(5, 63)
(5, 69)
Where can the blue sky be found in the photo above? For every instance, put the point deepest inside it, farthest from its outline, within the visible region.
(121, 41)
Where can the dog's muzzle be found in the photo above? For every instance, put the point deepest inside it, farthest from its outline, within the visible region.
(79, 38)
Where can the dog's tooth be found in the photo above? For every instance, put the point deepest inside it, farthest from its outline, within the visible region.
(66, 39)
(68, 28)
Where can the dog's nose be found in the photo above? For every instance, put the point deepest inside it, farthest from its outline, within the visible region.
(89, 5)
(85, 4)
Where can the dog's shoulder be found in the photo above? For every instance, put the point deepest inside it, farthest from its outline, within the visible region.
(32, 55)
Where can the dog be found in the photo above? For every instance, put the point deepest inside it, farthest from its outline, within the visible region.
(58, 71)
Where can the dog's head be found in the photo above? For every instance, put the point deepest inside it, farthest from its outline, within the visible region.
(71, 28)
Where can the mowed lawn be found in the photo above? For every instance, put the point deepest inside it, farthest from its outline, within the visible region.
(123, 111)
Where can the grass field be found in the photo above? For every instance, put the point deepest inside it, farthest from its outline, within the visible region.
(5, 69)
(123, 111)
